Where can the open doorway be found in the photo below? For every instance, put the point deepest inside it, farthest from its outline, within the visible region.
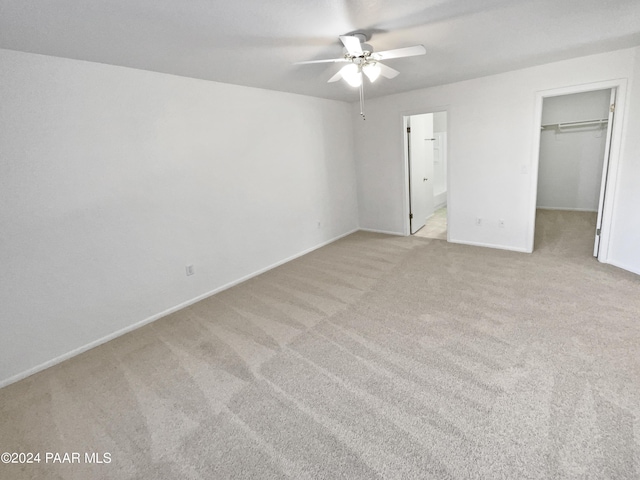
(575, 174)
(426, 154)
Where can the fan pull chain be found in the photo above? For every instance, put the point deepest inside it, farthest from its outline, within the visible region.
(362, 100)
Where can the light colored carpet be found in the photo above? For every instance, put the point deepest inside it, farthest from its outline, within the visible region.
(565, 233)
(436, 225)
(374, 357)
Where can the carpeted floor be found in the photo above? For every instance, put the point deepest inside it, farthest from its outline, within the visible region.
(374, 357)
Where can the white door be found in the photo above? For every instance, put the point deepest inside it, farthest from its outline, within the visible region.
(605, 169)
(420, 154)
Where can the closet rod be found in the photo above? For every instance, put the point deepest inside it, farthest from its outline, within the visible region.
(576, 124)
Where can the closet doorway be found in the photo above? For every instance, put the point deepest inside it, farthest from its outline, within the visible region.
(426, 157)
(576, 152)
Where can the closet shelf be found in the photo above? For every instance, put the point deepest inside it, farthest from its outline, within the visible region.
(587, 123)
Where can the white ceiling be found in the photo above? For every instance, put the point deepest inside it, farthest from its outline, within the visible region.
(255, 42)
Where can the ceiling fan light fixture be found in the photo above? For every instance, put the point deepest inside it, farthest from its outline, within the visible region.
(352, 75)
(360, 58)
(372, 71)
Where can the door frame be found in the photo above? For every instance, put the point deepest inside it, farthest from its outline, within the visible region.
(406, 210)
(614, 160)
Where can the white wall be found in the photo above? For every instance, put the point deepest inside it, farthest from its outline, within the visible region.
(576, 107)
(491, 124)
(571, 159)
(113, 179)
(625, 243)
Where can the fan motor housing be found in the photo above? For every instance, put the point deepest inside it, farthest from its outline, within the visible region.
(366, 51)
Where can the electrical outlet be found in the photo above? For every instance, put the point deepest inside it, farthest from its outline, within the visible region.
(478, 221)
(189, 269)
(501, 223)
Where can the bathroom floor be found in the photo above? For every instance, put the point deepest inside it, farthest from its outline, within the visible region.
(436, 226)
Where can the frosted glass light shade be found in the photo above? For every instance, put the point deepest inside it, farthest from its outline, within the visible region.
(372, 71)
(351, 74)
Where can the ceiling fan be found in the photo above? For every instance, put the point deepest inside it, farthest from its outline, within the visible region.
(361, 58)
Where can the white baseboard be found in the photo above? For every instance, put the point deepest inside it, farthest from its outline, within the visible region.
(386, 232)
(490, 245)
(135, 326)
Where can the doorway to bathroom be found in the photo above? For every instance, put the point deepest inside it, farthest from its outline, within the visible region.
(426, 153)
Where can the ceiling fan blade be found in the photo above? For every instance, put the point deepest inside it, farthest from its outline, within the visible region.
(335, 78)
(352, 44)
(388, 72)
(327, 60)
(400, 52)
